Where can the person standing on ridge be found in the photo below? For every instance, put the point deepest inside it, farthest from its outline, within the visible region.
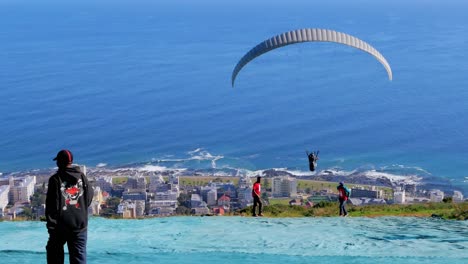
(343, 196)
(256, 192)
(68, 198)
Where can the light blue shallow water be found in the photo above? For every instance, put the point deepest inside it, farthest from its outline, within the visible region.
(249, 240)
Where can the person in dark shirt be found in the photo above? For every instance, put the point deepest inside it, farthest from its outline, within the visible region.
(257, 200)
(68, 198)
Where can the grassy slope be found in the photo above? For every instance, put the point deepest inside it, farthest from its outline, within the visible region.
(445, 210)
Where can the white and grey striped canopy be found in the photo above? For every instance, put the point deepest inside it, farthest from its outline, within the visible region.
(308, 35)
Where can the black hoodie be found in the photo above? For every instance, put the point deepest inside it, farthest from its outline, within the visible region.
(68, 198)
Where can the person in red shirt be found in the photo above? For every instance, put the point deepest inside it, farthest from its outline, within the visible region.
(256, 194)
(343, 195)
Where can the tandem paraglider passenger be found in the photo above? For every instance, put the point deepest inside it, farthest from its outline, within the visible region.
(313, 157)
(343, 196)
(68, 198)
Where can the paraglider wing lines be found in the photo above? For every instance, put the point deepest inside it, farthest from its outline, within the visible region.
(308, 35)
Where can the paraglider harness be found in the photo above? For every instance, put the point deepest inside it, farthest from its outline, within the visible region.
(313, 157)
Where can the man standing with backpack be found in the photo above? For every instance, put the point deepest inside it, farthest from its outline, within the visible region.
(68, 198)
(343, 195)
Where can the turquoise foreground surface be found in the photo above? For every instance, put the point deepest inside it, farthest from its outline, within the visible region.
(252, 240)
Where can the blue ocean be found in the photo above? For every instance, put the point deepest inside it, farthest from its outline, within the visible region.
(236, 240)
(148, 82)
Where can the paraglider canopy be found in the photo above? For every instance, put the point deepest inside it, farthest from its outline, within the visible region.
(308, 35)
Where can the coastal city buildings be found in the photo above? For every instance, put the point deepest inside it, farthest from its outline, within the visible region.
(437, 196)
(195, 200)
(162, 207)
(366, 201)
(284, 187)
(137, 183)
(98, 200)
(361, 192)
(131, 209)
(399, 197)
(4, 190)
(21, 191)
(105, 183)
(244, 191)
(128, 195)
(209, 194)
(457, 197)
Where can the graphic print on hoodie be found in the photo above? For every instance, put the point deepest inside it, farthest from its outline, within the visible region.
(71, 193)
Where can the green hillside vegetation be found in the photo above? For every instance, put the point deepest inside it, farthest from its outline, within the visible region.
(457, 211)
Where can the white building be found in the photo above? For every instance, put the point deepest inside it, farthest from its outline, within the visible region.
(207, 193)
(361, 192)
(136, 183)
(399, 197)
(158, 184)
(4, 190)
(168, 195)
(437, 196)
(82, 168)
(195, 200)
(22, 191)
(162, 207)
(97, 195)
(94, 208)
(211, 197)
(155, 183)
(105, 183)
(284, 187)
(244, 182)
(127, 209)
(173, 179)
(366, 201)
(457, 196)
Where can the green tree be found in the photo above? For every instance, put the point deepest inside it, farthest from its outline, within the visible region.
(27, 212)
(113, 202)
(184, 199)
(447, 199)
(266, 183)
(38, 199)
(182, 210)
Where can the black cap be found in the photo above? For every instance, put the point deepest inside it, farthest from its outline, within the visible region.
(64, 156)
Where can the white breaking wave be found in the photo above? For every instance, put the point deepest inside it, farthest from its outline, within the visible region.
(403, 167)
(197, 154)
(395, 179)
(155, 168)
(100, 165)
(194, 151)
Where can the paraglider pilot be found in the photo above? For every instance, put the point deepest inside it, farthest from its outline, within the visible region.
(313, 157)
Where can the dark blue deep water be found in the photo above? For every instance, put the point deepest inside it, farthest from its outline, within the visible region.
(124, 82)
